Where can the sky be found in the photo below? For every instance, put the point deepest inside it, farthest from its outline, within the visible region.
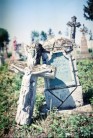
(20, 17)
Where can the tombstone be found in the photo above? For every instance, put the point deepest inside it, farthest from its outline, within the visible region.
(84, 46)
(64, 91)
(21, 51)
(15, 49)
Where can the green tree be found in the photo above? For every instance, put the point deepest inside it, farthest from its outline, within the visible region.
(88, 10)
(43, 36)
(4, 38)
(34, 35)
(59, 32)
(50, 31)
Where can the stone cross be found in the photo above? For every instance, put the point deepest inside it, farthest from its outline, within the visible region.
(73, 24)
(28, 90)
(28, 86)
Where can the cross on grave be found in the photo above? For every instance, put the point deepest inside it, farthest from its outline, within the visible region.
(28, 90)
(29, 81)
(62, 92)
(73, 24)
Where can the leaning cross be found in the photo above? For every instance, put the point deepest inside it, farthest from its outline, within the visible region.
(28, 90)
(73, 26)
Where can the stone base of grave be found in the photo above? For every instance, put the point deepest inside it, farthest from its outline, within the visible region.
(83, 109)
(83, 56)
(74, 100)
(87, 109)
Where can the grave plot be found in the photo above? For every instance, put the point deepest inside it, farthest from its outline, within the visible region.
(64, 91)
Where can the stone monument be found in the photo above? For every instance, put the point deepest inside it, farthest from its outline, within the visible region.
(15, 54)
(28, 86)
(84, 47)
(64, 91)
(73, 24)
(62, 88)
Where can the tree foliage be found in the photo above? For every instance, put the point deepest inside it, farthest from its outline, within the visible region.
(88, 10)
(59, 32)
(50, 32)
(43, 36)
(34, 34)
(4, 36)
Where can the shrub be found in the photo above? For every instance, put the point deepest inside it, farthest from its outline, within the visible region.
(9, 54)
(78, 126)
(4, 68)
(90, 50)
(85, 71)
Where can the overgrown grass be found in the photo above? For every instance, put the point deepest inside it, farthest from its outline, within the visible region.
(9, 91)
(57, 126)
(54, 125)
(85, 73)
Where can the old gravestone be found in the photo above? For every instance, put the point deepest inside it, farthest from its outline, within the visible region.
(84, 46)
(64, 91)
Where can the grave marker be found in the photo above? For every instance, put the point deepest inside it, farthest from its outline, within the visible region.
(64, 91)
(28, 90)
(73, 24)
(84, 47)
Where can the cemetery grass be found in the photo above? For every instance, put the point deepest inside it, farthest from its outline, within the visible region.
(52, 124)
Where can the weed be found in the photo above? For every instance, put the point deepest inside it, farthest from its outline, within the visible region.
(85, 72)
(53, 125)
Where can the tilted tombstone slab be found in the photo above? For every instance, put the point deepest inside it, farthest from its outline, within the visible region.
(64, 91)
